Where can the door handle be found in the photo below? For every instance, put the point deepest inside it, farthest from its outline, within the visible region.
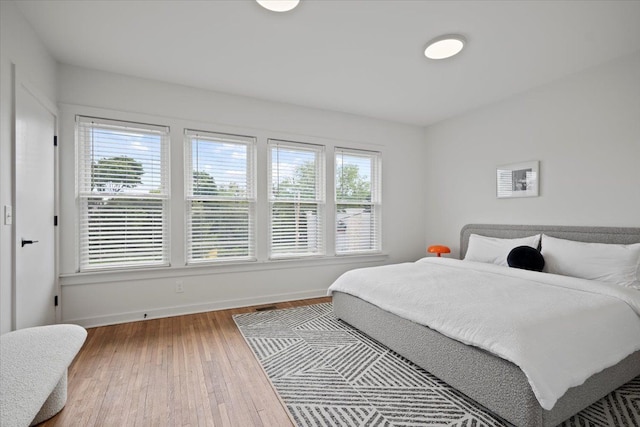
(28, 242)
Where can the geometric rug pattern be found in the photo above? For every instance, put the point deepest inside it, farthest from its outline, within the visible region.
(330, 374)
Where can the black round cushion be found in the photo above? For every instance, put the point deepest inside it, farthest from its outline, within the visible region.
(525, 257)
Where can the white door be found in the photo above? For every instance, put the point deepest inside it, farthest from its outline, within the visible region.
(35, 281)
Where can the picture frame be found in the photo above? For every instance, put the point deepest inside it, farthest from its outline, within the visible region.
(518, 180)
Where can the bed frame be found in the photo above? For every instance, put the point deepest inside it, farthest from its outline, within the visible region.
(497, 384)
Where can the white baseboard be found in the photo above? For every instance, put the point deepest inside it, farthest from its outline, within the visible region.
(157, 313)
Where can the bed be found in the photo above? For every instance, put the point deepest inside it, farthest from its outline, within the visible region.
(499, 385)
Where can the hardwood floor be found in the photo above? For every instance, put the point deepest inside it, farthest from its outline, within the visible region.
(193, 370)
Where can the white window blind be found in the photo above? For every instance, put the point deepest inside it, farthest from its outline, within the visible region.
(358, 201)
(221, 197)
(122, 178)
(297, 199)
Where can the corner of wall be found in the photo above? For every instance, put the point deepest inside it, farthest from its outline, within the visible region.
(19, 46)
(584, 131)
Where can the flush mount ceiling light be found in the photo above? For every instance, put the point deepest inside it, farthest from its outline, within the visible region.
(278, 5)
(444, 46)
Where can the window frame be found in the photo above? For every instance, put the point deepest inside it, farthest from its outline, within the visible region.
(319, 201)
(84, 178)
(251, 199)
(375, 203)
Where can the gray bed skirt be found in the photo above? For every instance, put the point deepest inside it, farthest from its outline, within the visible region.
(498, 385)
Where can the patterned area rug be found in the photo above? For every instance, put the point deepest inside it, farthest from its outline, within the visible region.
(330, 374)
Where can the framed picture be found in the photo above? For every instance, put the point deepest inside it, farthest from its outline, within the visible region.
(517, 180)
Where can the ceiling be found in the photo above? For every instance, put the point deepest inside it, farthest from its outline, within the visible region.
(360, 57)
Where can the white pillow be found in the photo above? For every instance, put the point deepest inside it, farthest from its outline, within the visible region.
(606, 262)
(494, 250)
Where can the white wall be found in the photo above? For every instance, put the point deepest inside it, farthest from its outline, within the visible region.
(19, 46)
(92, 299)
(584, 130)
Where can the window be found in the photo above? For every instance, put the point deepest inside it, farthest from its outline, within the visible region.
(221, 198)
(122, 194)
(358, 201)
(297, 199)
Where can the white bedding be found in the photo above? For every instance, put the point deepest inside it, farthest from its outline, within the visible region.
(559, 330)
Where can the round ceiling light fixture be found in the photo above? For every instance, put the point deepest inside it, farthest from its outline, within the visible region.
(445, 46)
(278, 5)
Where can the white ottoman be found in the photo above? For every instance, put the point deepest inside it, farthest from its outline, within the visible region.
(33, 372)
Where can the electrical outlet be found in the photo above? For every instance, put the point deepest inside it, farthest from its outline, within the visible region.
(179, 286)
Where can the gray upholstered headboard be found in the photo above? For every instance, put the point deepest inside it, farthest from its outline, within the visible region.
(622, 235)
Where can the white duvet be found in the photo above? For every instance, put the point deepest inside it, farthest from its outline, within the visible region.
(559, 330)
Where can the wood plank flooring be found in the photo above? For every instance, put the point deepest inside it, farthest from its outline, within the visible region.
(193, 370)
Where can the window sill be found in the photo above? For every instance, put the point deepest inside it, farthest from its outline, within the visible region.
(72, 279)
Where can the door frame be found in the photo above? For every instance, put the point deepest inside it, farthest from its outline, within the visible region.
(21, 81)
